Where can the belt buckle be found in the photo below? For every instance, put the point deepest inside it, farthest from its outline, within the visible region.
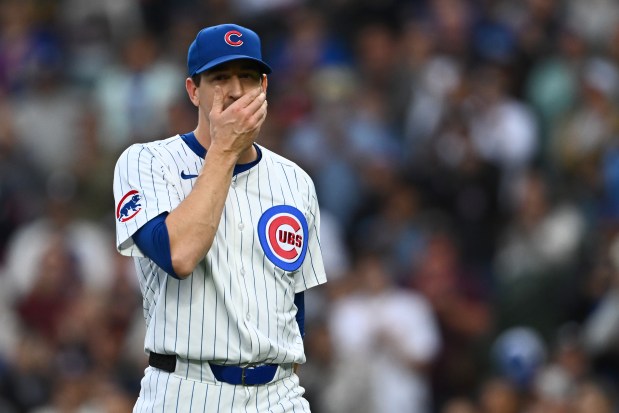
(244, 375)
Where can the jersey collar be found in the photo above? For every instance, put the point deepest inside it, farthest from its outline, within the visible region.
(197, 148)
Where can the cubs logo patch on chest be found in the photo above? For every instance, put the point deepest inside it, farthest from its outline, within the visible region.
(283, 233)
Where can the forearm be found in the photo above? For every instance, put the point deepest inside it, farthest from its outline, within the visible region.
(193, 224)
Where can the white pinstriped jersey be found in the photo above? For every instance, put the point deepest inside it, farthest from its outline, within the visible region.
(237, 305)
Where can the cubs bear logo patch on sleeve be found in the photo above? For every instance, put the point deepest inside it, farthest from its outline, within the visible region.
(128, 206)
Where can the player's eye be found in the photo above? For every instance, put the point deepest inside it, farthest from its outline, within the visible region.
(220, 77)
(250, 75)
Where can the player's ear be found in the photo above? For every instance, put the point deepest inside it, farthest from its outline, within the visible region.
(264, 83)
(192, 91)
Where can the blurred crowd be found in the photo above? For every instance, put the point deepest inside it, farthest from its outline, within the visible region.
(466, 158)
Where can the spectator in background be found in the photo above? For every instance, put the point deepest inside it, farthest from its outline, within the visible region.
(498, 395)
(308, 45)
(89, 243)
(589, 129)
(464, 186)
(114, 20)
(537, 261)
(555, 384)
(27, 47)
(600, 329)
(435, 82)
(21, 180)
(593, 396)
(452, 22)
(460, 405)
(396, 229)
(133, 97)
(503, 129)
(461, 304)
(595, 20)
(387, 338)
(383, 70)
(47, 117)
(28, 379)
(57, 282)
(552, 87)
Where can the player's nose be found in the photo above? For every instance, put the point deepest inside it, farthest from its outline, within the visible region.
(235, 87)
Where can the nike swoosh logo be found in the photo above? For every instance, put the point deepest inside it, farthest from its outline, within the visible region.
(185, 176)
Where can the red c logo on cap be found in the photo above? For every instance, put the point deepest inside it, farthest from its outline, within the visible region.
(228, 38)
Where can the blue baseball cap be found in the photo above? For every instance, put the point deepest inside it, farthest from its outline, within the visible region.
(219, 44)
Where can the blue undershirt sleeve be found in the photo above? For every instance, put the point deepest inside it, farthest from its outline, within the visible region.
(154, 242)
(299, 301)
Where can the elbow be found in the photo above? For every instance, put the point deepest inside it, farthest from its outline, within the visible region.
(183, 266)
(185, 262)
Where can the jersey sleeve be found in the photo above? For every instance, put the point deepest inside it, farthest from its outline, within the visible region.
(312, 271)
(142, 191)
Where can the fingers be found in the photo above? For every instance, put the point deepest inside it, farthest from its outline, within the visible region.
(248, 99)
(261, 113)
(257, 103)
(218, 101)
(251, 107)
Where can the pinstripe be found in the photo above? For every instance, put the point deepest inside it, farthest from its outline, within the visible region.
(165, 392)
(230, 278)
(264, 278)
(268, 389)
(178, 394)
(143, 400)
(216, 318)
(288, 182)
(257, 399)
(189, 321)
(203, 325)
(165, 314)
(219, 399)
(178, 169)
(251, 306)
(167, 182)
(233, 398)
(153, 180)
(247, 402)
(156, 391)
(251, 340)
(205, 399)
(287, 392)
(193, 388)
(279, 399)
(253, 272)
(178, 300)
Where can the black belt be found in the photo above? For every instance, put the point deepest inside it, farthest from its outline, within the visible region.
(245, 376)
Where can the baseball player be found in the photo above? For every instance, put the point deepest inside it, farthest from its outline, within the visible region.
(224, 234)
